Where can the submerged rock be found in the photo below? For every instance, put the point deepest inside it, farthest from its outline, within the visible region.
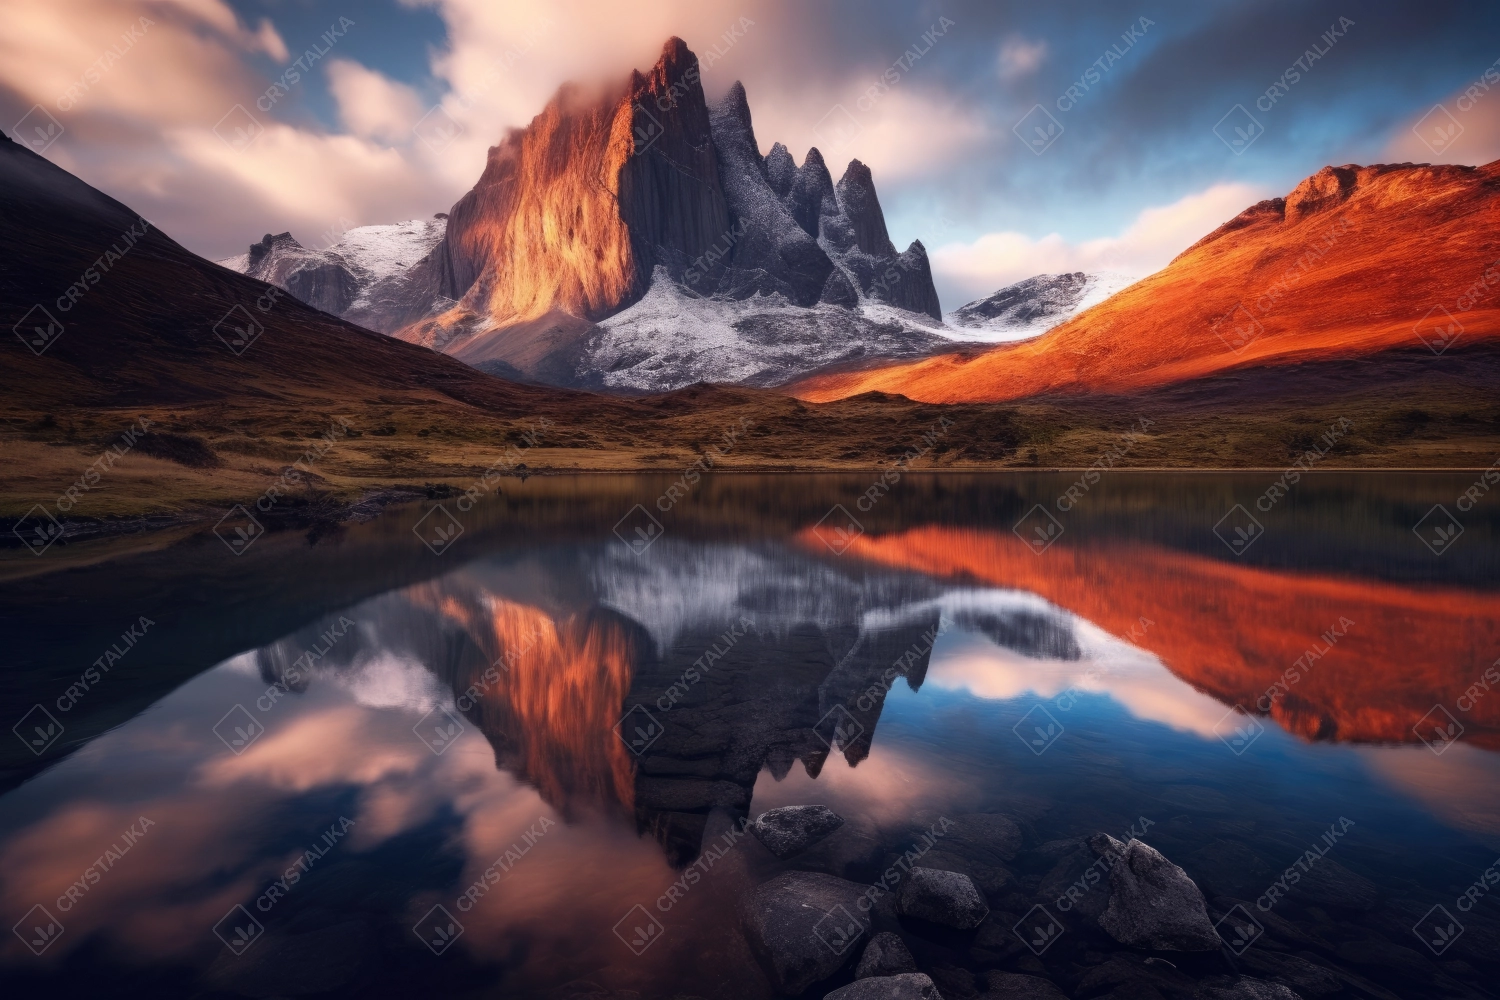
(792, 829)
(1241, 988)
(1307, 978)
(1152, 902)
(978, 845)
(1328, 883)
(947, 898)
(909, 986)
(1015, 986)
(885, 955)
(803, 927)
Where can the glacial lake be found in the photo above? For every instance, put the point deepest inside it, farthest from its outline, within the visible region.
(508, 748)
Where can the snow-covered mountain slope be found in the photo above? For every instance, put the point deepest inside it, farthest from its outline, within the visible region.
(373, 275)
(672, 338)
(1034, 306)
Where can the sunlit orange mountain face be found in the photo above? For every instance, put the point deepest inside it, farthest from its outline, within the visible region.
(1354, 262)
(1355, 660)
(549, 225)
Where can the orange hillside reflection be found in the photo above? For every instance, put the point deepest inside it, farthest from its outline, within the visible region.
(1234, 631)
(546, 692)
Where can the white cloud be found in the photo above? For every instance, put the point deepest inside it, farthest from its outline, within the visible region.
(967, 271)
(906, 133)
(1019, 58)
(1464, 128)
(371, 104)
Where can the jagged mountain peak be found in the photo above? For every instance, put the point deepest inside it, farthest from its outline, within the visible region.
(860, 204)
(609, 190)
(812, 195)
(781, 169)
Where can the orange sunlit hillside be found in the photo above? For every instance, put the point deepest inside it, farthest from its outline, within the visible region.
(1231, 631)
(1345, 266)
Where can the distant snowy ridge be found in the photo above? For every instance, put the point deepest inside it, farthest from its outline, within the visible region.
(1032, 307)
(356, 277)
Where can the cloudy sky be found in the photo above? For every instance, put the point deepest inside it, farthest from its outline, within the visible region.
(1011, 137)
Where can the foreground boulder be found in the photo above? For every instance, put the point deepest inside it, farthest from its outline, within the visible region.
(803, 927)
(946, 898)
(908, 986)
(1152, 903)
(793, 829)
(885, 955)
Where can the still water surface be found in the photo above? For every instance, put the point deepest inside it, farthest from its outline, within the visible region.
(343, 764)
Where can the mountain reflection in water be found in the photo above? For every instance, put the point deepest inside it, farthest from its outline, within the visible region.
(617, 716)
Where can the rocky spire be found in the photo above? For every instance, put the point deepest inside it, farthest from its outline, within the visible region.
(860, 205)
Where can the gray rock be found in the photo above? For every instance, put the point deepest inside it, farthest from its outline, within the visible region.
(885, 955)
(1152, 902)
(792, 829)
(803, 927)
(1014, 986)
(909, 986)
(1242, 988)
(947, 898)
